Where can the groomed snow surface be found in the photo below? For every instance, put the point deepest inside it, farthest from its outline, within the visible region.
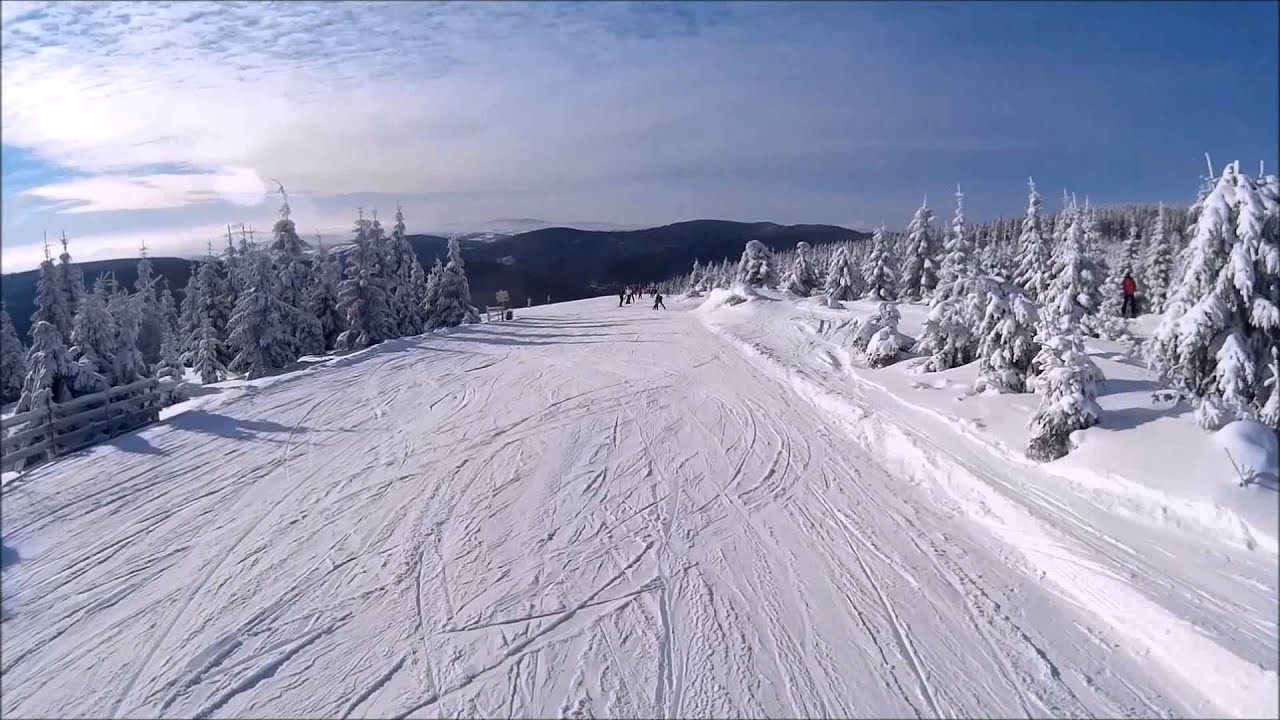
(617, 512)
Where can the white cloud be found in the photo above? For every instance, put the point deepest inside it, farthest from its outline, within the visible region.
(103, 193)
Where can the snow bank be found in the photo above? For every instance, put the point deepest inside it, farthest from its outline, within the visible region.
(1229, 684)
(1252, 449)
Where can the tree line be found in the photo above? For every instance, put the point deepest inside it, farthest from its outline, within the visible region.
(1018, 296)
(249, 310)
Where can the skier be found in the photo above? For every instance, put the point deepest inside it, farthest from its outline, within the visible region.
(1129, 308)
(657, 301)
(622, 296)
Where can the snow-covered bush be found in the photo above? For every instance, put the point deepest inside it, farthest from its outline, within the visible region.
(1068, 389)
(885, 345)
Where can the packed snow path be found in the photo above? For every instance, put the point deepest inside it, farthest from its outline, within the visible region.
(591, 511)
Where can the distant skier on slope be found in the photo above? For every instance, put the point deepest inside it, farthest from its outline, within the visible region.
(657, 301)
(622, 296)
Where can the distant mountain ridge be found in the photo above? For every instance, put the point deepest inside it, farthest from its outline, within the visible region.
(561, 262)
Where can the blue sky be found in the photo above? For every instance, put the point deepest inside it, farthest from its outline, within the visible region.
(164, 122)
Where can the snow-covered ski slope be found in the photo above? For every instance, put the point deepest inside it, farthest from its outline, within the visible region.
(592, 510)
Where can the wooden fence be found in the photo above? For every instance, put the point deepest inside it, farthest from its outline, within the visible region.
(495, 311)
(56, 429)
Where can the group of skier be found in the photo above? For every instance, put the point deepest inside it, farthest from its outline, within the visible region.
(627, 294)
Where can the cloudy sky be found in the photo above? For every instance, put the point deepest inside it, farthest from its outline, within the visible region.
(163, 122)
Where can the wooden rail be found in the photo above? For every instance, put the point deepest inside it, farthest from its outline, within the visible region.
(56, 429)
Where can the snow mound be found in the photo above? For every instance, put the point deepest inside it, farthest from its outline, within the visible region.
(1252, 449)
(721, 298)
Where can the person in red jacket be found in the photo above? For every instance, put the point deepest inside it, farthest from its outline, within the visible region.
(1129, 308)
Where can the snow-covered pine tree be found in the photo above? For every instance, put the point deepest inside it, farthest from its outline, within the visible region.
(326, 274)
(1222, 318)
(451, 309)
(844, 282)
(188, 317)
(405, 291)
(801, 278)
(881, 270)
(70, 277)
(127, 312)
(288, 256)
(1132, 250)
(94, 336)
(12, 358)
(1270, 412)
(52, 376)
(150, 323)
(51, 299)
(205, 355)
(1074, 293)
(1035, 255)
(259, 333)
(755, 268)
(1158, 267)
(464, 292)
(219, 297)
(431, 294)
(958, 259)
(919, 275)
(1006, 339)
(693, 287)
(1067, 385)
(362, 297)
(168, 309)
(169, 366)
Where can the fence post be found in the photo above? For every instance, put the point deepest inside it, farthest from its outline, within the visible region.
(51, 430)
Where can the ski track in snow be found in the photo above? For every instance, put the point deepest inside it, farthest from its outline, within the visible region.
(589, 511)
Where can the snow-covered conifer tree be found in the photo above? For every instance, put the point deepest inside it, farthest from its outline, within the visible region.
(844, 282)
(1067, 385)
(919, 274)
(12, 362)
(362, 297)
(288, 255)
(188, 317)
(693, 288)
(1158, 267)
(205, 354)
(1074, 293)
(1132, 250)
(404, 292)
(326, 275)
(958, 259)
(1035, 259)
(129, 365)
(52, 376)
(70, 277)
(755, 268)
(464, 288)
(168, 309)
(51, 300)
(451, 309)
(1006, 340)
(1222, 318)
(150, 322)
(1270, 413)
(431, 296)
(258, 331)
(94, 335)
(169, 366)
(881, 271)
(801, 278)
